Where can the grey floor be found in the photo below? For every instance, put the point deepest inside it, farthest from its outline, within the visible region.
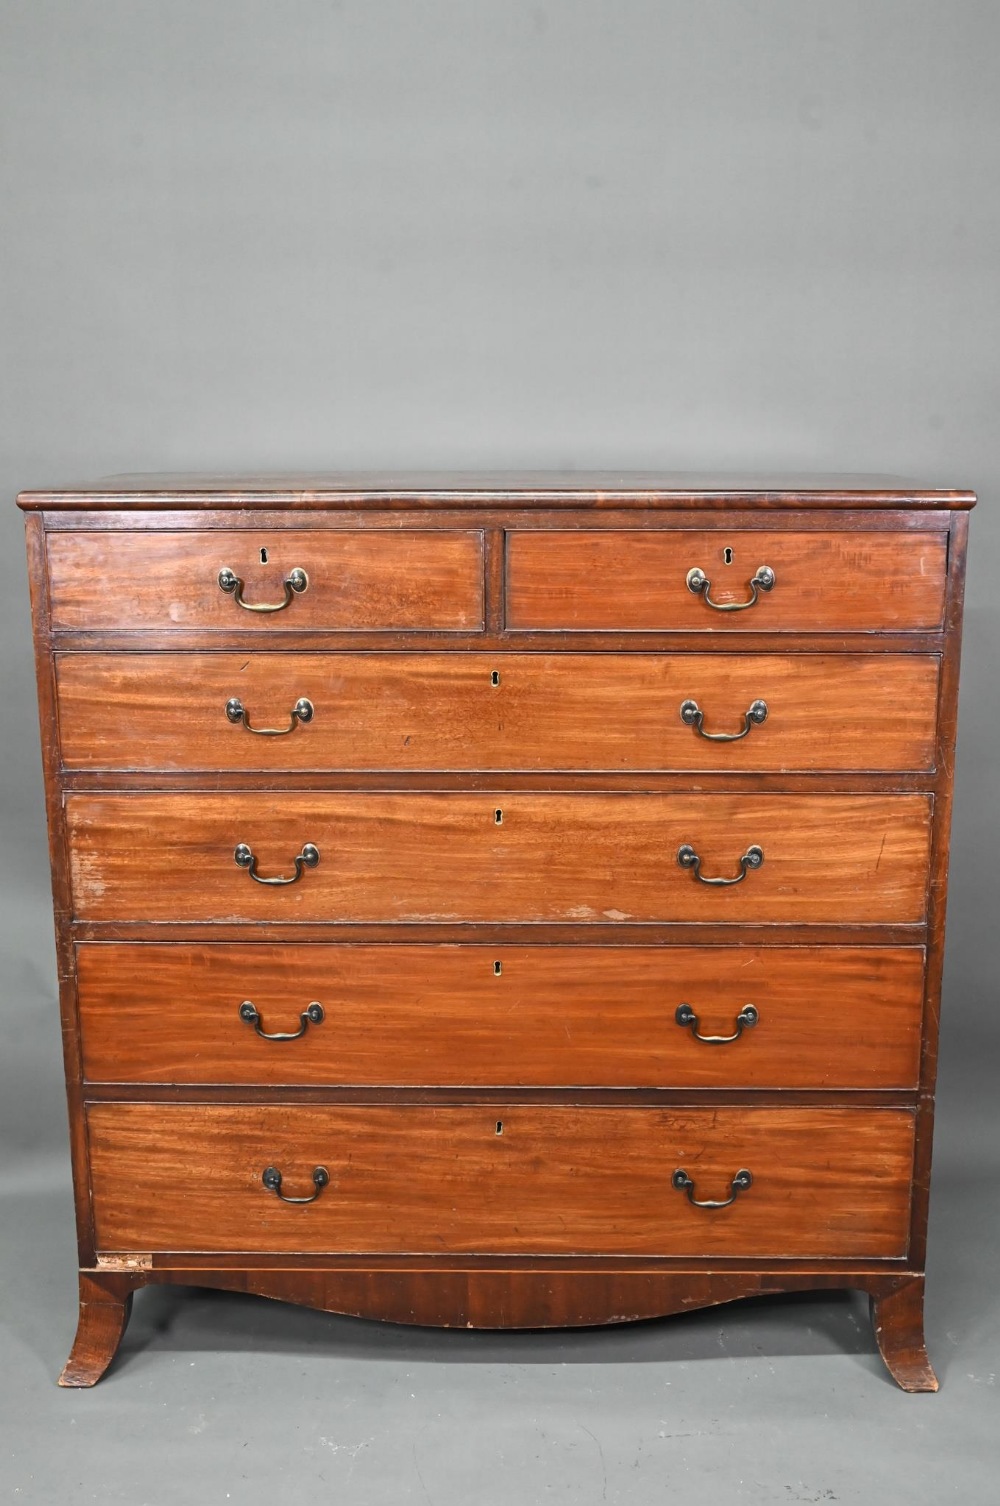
(772, 1401)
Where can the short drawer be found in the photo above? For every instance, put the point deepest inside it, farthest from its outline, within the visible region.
(501, 1179)
(635, 581)
(278, 581)
(525, 1016)
(467, 711)
(465, 857)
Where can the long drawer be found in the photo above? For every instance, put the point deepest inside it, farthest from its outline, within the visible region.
(463, 857)
(500, 1179)
(640, 580)
(177, 712)
(271, 582)
(799, 1017)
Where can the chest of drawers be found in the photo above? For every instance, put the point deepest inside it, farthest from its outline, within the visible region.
(499, 901)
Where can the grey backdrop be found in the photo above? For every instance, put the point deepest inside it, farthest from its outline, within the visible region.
(243, 234)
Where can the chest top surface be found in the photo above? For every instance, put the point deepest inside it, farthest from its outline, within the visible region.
(548, 489)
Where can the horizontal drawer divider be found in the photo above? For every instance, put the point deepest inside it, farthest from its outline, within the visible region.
(823, 1271)
(389, 782)
(539, 933)
(224, 640)
(117, 1092)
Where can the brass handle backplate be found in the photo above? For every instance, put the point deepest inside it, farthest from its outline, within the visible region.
(700, 585)
(688, 858)
(302, 711)
(741, 1181)
(272, 1181)
(693, 716)
(295, 583)
(745, 1020)
(245, 857)
(312, 1015)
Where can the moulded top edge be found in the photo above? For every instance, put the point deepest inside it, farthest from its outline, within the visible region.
(543, 489)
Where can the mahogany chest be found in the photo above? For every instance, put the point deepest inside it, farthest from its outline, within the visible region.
(499, 900)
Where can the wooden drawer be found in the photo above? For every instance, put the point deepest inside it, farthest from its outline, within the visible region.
(828, 1017)
(501, 1179)
(622, 580)
(408, 579)
(174, 712)
(458, 857)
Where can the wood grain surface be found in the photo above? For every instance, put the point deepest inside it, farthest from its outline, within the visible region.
(556, 1294)
(463, 857)
(898, 1320)
(546, 1180)
(864, 582)
(830, 1017)
(411, 579)
(467, 711)
(498, 779)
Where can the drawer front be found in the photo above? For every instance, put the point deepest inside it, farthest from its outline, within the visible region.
(637, 581)
(826, 1017)
(175, 712)
(461, 857)
(501, 1179)
(354, 580)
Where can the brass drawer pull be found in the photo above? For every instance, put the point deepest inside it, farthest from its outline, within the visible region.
(272, 1181)
(688, 858)
(693, 716)
(745, 1020)
(680, 1179)
(302, 711)
(244, 857)
(312, 1015)
(231, 583)
(699, 583)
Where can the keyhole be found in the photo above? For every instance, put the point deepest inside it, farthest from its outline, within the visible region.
(498, 816)
(727, 555)
(497, 969)
(499, 1126)
(495, 677)
(263, 556)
